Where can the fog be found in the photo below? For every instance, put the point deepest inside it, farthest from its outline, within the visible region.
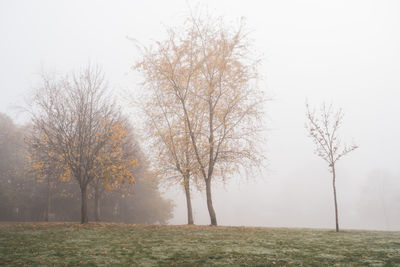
(341, 52)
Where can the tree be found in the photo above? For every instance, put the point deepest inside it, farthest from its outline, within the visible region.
(48, 167)
(21, 197)
(208, 78)
(75, 117)
(11, 167)
(323, 129)
(173, 157)
(141, 203)
(112, 166)
(24, 196)
(114, 163)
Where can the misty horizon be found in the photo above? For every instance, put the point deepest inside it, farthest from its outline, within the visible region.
(344, 53)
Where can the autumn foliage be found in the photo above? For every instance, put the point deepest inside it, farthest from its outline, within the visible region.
(203, 100)
(78, 133)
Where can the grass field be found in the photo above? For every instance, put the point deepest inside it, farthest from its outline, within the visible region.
(72, 244)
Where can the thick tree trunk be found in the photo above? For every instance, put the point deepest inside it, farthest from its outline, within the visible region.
(210, 207)
(97, 196)
(84, 216)
(188, 201)
(334, 196)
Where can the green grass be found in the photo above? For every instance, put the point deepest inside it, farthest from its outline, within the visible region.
(72, 244)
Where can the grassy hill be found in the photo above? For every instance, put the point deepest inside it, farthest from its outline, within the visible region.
(72, 244)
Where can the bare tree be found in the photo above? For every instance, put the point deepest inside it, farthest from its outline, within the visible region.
(323, 129)
(208, 74)
(75, 117)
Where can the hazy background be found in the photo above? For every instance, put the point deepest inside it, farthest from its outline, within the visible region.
(344, 52)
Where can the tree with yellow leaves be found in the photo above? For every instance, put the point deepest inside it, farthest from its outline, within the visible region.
(173, 157)
(78, 120)
(114, 164)
(207, 77)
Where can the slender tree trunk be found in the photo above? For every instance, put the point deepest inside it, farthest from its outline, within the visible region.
(334, 196)
(122, 210)
(97, 196)
(210, 207)
(48, 208)
(84, 216)
(188, 201)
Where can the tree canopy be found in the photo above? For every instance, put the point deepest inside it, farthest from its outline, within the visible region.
(202, 82)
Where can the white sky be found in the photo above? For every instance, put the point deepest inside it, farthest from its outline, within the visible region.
(344, 52)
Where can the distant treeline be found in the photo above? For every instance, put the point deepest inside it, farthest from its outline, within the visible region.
(26, 197)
